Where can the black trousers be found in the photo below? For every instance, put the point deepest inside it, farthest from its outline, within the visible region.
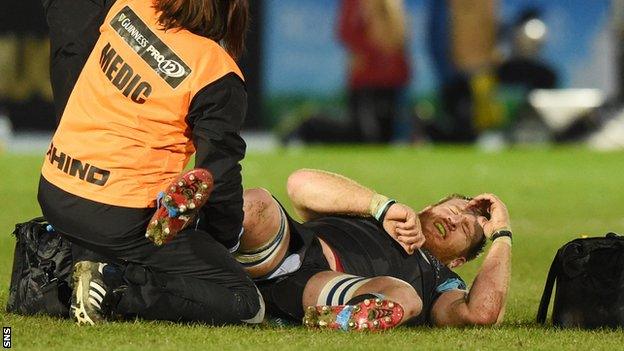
(373, 112)
(192, 278)
(284, 295)
(372, 116)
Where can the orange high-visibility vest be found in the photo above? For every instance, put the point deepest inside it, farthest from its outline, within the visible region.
(123, 135)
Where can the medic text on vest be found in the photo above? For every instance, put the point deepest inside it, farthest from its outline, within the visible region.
(122, 76)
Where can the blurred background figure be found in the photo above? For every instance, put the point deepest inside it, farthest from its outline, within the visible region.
(25, 93)
(461, 42)
(523, 70)
(374, 35)
(609, 134)
(617, 28)
(524, 66)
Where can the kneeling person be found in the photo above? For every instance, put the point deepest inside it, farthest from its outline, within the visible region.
(344, 256)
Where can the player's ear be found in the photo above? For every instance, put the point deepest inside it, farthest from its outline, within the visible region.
(456, 262)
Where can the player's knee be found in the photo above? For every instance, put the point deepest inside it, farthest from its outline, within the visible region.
(265, 226)
(403, 293)
(407, 296)
(256, 202)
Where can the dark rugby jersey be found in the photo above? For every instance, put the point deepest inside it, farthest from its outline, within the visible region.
(365, 249)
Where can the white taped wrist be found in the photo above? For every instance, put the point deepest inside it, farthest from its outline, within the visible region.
(376, 204)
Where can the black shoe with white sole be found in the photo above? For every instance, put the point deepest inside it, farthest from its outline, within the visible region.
(91, 295)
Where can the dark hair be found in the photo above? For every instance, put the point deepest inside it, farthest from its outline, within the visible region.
(475, 250)
(224, 21)
(451, 197)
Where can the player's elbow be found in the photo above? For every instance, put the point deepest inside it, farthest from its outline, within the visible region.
(296, 183)
(485, 317)
(300, 187)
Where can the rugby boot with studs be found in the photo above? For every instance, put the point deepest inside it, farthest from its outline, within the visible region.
(370, 314)
(90, 293)
(179, 204)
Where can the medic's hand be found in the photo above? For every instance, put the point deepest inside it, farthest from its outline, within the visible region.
(403, 225)
(489, 205)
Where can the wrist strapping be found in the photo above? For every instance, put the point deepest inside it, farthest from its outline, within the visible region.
(377, 202)
(501, 233)
(381, 214)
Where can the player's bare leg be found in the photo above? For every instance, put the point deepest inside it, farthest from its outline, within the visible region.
(335, 300)
(266, 233)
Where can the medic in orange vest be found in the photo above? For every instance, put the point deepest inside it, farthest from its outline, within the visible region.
(146, 100)
(160, 83)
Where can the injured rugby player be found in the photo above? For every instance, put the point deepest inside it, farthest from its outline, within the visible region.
(363, 261)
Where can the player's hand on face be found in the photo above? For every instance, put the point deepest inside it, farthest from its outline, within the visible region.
(402, 224)
(492, 206)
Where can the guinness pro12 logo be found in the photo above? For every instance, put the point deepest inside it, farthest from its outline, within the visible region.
(149, 47)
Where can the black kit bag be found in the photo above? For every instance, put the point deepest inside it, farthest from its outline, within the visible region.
(42, 267)
(590, 284)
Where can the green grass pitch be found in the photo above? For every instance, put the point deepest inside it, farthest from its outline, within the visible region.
(553, 194)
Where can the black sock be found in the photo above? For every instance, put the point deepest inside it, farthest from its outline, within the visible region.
(359, 298)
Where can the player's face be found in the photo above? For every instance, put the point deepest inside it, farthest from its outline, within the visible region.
(450, 229)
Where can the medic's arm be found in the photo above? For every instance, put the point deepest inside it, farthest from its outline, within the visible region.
(216, 116)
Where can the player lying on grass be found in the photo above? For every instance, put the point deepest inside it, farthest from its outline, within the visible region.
(362, 261)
